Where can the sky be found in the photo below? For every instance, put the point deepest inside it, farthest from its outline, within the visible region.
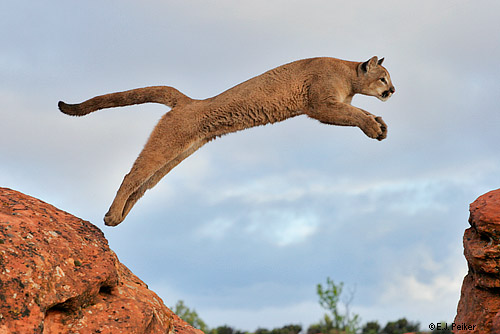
(244, 229)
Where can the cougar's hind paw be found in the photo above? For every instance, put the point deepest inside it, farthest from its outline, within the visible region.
(109, 220)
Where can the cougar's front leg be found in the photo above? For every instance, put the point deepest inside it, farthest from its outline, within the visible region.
(338, 113)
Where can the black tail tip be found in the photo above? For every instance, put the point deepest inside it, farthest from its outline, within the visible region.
(70, 109)
(61, 105)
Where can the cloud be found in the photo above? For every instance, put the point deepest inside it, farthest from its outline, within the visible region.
(215, 229)
(279, 227)
(282, 227)
(432, 297)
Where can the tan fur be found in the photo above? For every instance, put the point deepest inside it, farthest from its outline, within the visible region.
(321, 88)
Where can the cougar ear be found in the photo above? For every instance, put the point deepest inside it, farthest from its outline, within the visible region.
(380, 61)
(369, 64)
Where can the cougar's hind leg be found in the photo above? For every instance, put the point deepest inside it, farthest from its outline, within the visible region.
(153, 180)
(169, 139)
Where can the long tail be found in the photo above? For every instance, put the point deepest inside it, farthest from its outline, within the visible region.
(166, 95)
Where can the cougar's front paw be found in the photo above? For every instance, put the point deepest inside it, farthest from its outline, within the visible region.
(112, 220)
(383, 128)
(375, 128)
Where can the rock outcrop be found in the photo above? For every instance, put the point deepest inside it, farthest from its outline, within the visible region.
(58, 275)
(479, 306)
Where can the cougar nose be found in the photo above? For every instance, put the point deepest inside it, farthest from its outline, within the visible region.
(392, 90)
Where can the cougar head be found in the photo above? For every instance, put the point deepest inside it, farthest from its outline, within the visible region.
(375, 79)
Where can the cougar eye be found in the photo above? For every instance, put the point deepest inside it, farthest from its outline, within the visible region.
(383, 80)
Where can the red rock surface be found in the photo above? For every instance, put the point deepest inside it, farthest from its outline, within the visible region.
(58, 275)
(480, 298)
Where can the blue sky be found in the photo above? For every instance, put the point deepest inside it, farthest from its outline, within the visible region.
(245, 228)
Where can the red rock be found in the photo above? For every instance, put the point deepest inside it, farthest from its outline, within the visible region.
(58, 275)
(479, 303)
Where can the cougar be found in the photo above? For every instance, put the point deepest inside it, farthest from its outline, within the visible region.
(322, 88)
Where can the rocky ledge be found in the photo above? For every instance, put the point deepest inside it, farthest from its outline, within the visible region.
(58, 275)
(479, 306)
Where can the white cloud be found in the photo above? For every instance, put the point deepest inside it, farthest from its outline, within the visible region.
(426, 289)
(413, 290)
(282, 227)
(215, 229)
(268, 189)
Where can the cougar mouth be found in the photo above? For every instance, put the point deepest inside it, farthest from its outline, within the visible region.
(386, 94)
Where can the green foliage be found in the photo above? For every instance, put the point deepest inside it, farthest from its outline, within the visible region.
(334, 322)
(401, 326)
(262, 331)
(190, 316)
(225, 330)
(371, 327)
(288, 329)
(329, 299)
(337, 321)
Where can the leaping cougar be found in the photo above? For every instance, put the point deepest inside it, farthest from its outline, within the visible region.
(321, 88)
